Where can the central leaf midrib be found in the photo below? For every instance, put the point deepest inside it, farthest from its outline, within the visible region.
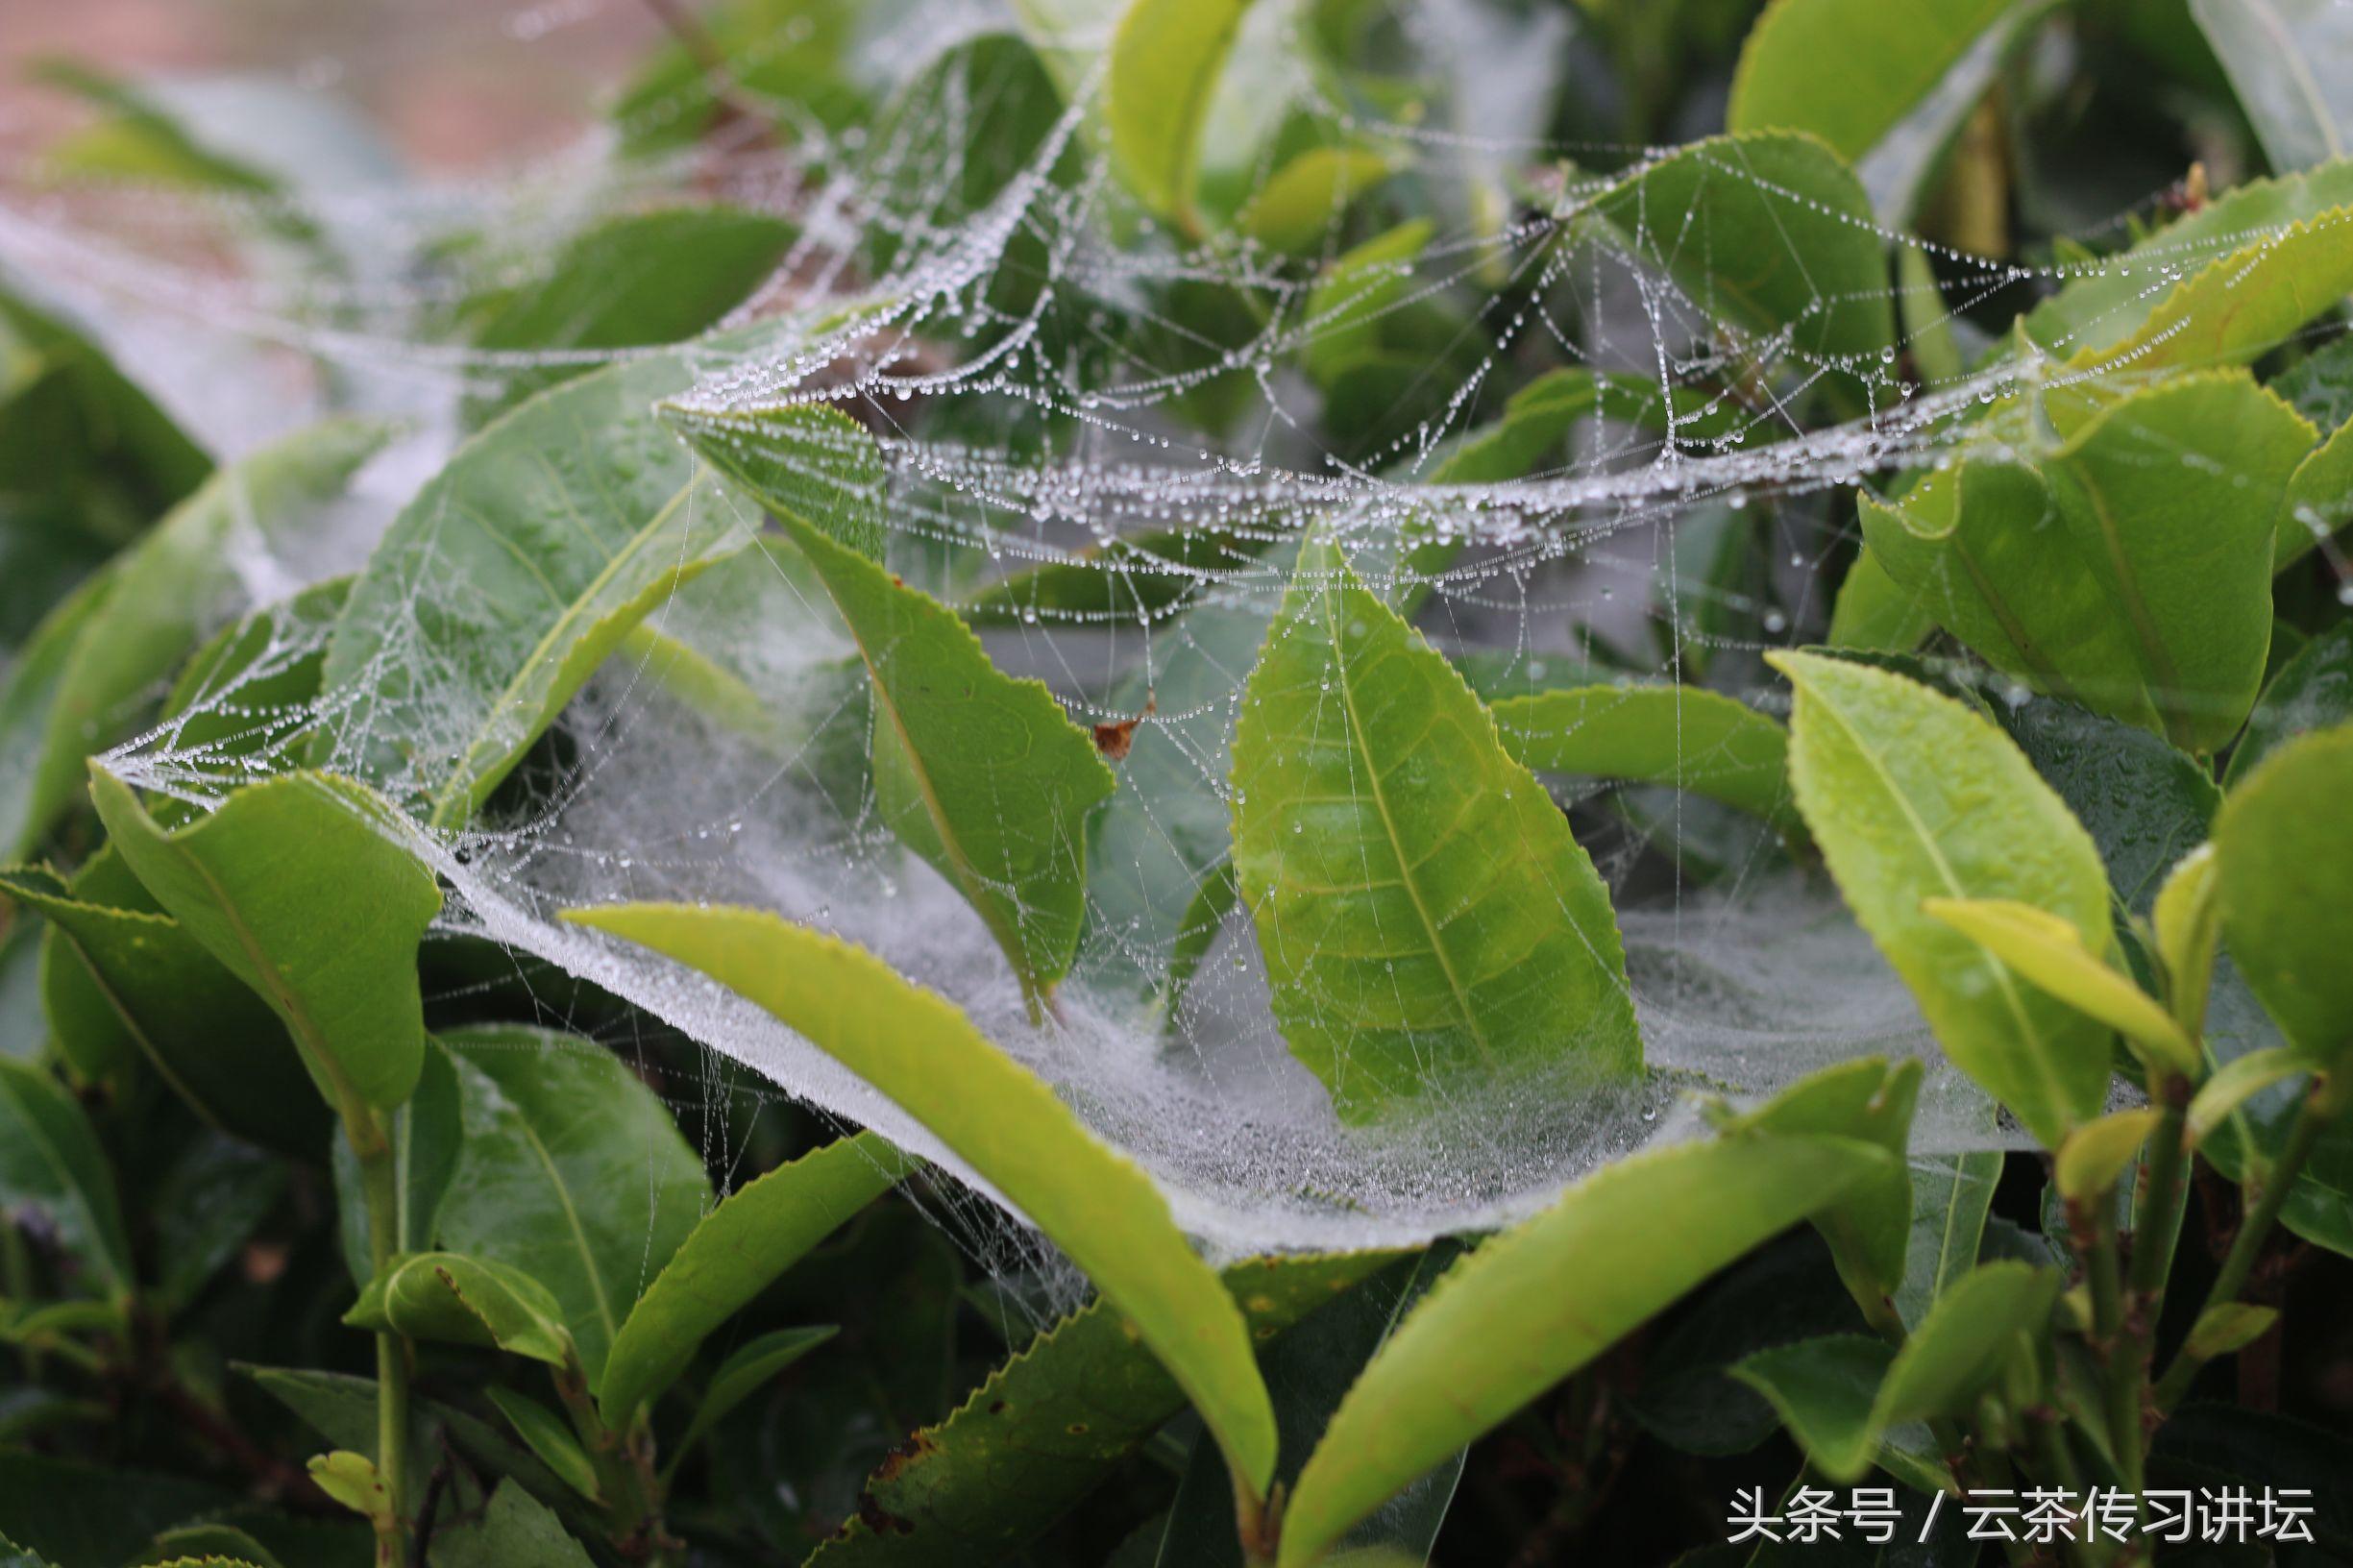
(571, 1218)
(1389, 824)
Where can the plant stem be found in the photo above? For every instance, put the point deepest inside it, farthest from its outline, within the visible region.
(379, 1189)
(2268, 1192)
(2111, 1336)
(2155, 1229)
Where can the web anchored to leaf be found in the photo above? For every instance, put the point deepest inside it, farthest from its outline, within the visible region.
(1264, 613)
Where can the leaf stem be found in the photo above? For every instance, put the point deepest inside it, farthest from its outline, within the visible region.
(2267, 1192)
(379, 1189)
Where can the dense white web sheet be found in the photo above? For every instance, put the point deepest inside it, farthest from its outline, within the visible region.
(1028, 434)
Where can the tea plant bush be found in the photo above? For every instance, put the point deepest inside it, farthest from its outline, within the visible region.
(363, 1198)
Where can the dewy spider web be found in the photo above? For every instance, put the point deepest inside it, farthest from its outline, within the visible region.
(1020, 432)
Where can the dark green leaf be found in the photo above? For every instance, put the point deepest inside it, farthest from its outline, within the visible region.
(516, 1532)
(2311, 691)
(51, 1164)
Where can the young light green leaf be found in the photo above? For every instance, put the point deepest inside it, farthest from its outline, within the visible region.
(572, 1171)
(1682, 736)
(1873, 614)
(1912, 795)
(754, 1234)
(1869, 1227)
(458, 1300)
(2237, 1081)
(350, 1479)
(2236, 309)
(1885, 86)
(2189, 926)
(2284, 866)
(1423, 910)
(1537, 1301)
(2050, 953)
(2128, 573)
(2226, 1329)
(2311, 691)
(638, 279)
(752, 1367)
(983, 775)
(1005, 1124)
(297, 886)
(1307, 196)
(2095, 1154)
(1052, 1422)
(2318, 500)
(51, 1162)
(506, 583)
(2279, 57)
(548, 1435)
(167, 590)
(1345, 308)
(113, 960)
(2106, 302)
(1166, 60)
(1843, 1396)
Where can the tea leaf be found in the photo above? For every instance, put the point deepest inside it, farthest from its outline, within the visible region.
(2311, 691)
(752, 1367)
(51, 1161)
(545, 1434)
(1682, 736)
(2276, 54)
(983, 775)
(2282, 865)
(27, 698)
(1298, 207)
(572, 1171)
(2237, 1081)
(2095, 1154)
(506, 583)
(2049, 952)
(1912, 795)
(756, 1234)
(459, 1300)
(924, 1054)
(1165, 60)
(1534, 1304)
(295, 886)
(1422, 907)
(515, 1531)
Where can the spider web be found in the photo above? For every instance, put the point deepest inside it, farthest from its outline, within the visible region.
(1025, 423)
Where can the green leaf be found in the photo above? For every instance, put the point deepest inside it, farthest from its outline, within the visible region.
(1873, 613)
(1951, 1194)
(352, 1481)
(2129, 572)
(207, 1546)
(2097, 1152)
(1166, 60)
(1303, 203)
(1537, 1301)
(2226, 1329)
(754, 1234)
(2237, 1081)
(982, 775)
(454, 1299)
(138, 140)
(2145, 804)
(1681, 736)
(572, 1172)
(120, 975)
(2188, 925)
(1424, 911)
(51, 1162)
(547, 1435)
(2108, 300)
(752, 1367)
(2279, 56)
(1842, 1397)
(1790, 246)
(2311, 691)
(1308, 1372)
(90, 1515)
(505, 583)
(1912, 795)
(2319, 498)
(1120, 582)
(28, 699)
(2240, 307)
(777, 52)
(631, 281)
(515, 1531)
(1869, 1227)
(2049, 952)
(1885, 86)
(2284, 866)
(1347, 308)
(1002, 1122)
(209, 1202)
(298, 888)
(1051, 1423)
(168, 588)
